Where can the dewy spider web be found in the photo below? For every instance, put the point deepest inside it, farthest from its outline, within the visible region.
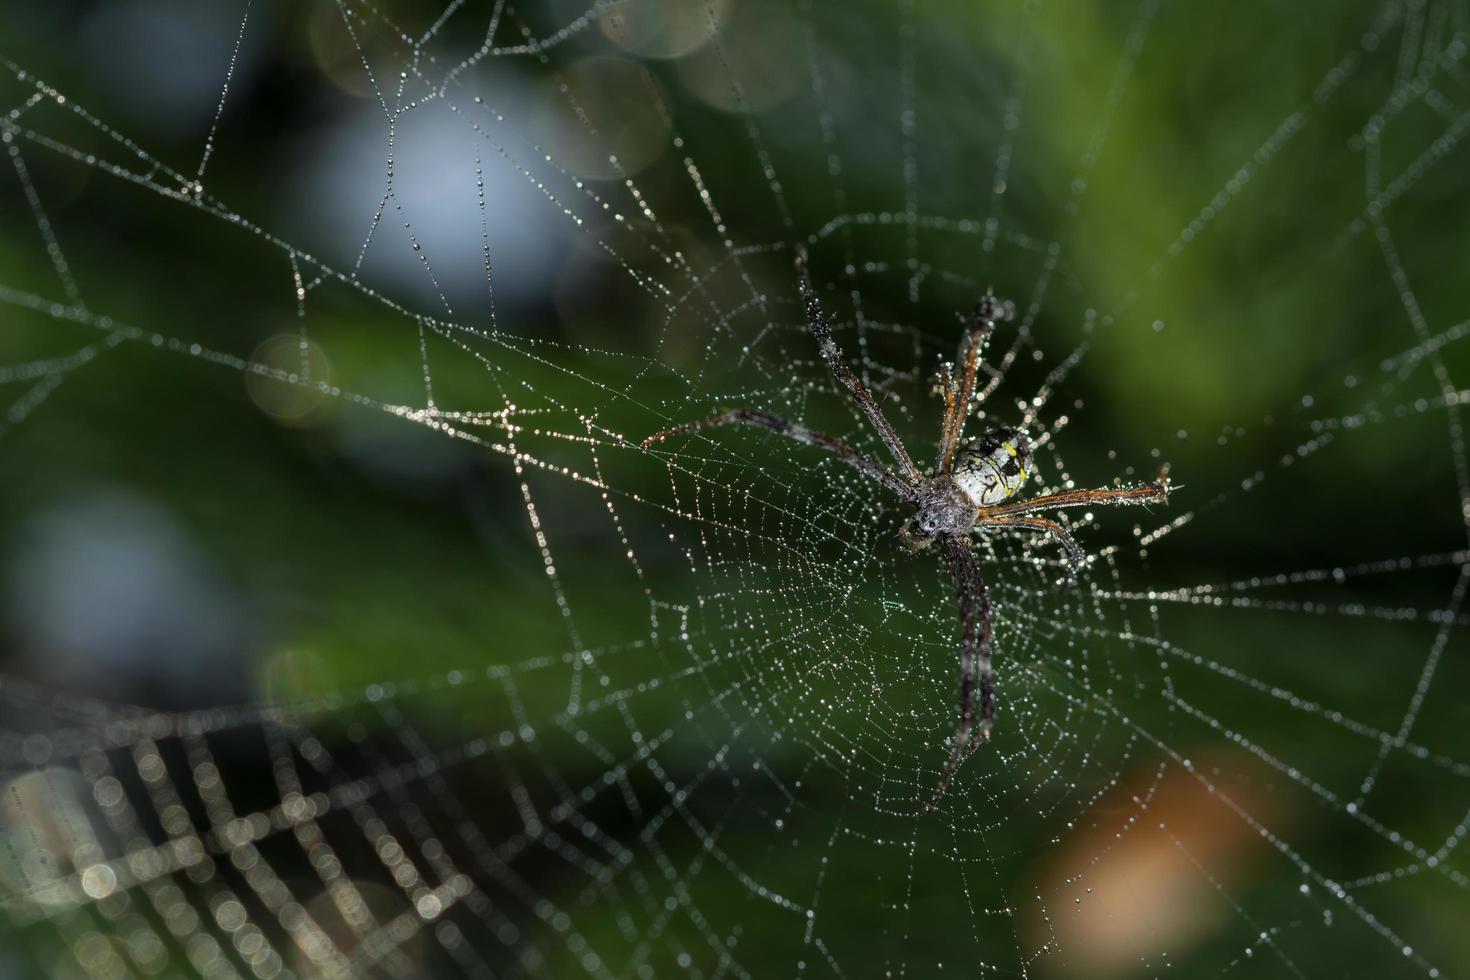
(695, 724)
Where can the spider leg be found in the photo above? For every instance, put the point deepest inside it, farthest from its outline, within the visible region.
(752, 416)
(1144, 493)
(860, 394)
(944, 386)
(975, 677)
(1075, 557)
(957, 406)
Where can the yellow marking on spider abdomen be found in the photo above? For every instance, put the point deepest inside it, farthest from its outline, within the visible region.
(1016, 454)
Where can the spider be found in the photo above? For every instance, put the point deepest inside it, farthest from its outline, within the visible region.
(970, 487)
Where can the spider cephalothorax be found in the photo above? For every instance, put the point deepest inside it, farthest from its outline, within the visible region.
(940, 507)
(969, 488)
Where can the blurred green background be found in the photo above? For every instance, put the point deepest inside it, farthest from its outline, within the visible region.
(300, 557)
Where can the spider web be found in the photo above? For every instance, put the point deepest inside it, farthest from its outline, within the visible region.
(677, 711)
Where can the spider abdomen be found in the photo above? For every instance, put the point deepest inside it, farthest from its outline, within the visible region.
(994, 467)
